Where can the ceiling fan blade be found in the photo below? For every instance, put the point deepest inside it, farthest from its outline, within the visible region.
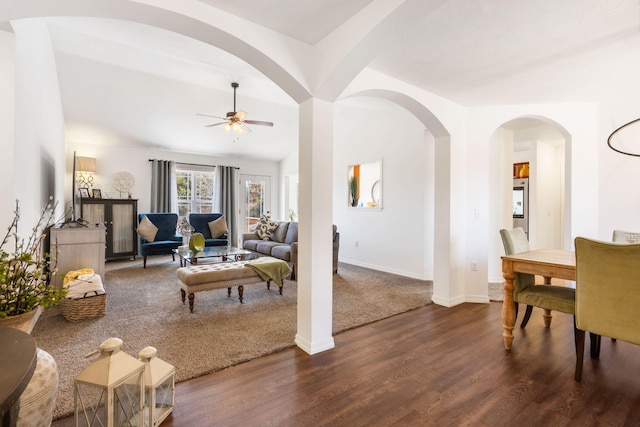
(258, 122)
(208, 115)
(215, 124)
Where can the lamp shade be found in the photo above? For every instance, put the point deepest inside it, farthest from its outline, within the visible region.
(85, 164)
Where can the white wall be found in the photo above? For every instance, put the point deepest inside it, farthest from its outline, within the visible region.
(287, 167)
(619, 200)
(135, 160)
(39, 124)
(391, 239)
(7, 124)
(548, 178)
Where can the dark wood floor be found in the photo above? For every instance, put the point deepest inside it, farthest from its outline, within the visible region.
(431, 366)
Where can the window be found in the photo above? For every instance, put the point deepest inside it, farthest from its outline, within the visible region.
(195, 190)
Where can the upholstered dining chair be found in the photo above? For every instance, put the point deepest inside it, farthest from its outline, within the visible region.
(547, 297)
(607, 294)
(621, 236)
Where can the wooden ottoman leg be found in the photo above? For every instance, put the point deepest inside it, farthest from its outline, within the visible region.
(280, 288)
(269, 284)
(192, 297)
(229, 291)
(240, 292)
(184, 295)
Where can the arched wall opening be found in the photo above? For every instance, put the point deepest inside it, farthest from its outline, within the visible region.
(433, 186)
(211, 32)
(546, 146)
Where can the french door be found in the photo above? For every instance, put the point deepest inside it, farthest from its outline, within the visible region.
(256, 200)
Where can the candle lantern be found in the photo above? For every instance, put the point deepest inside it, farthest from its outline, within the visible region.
(109, 392)
(159, 386)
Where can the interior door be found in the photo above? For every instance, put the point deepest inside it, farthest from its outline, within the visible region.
(256, 199)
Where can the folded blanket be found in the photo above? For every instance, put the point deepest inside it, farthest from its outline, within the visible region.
(269, 268)
(84, 285)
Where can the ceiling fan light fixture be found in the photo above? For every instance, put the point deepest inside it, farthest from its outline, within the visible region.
(235, 120)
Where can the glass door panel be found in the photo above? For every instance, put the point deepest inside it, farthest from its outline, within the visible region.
(256, 200)
(122, 228)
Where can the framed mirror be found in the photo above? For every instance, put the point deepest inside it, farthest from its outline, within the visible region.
(365, 185)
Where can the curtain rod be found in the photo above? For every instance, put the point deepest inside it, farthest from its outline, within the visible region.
(196, 164)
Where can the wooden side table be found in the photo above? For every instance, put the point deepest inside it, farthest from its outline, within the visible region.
(17, 350)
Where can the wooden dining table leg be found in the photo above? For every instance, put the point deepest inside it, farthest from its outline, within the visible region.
(547, 313)
(508, 308)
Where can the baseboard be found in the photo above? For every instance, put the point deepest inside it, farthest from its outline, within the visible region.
(311, 348)
(448, 302)
(383, 269)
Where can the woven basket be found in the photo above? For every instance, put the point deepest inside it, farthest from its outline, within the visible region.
(84, 308)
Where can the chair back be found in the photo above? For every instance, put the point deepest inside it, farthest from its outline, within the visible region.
(515, 241)
(608, 289)
(625, 236)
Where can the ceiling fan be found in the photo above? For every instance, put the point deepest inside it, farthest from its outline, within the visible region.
(235, 119)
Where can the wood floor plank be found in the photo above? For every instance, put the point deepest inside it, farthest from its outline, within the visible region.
(431, 366)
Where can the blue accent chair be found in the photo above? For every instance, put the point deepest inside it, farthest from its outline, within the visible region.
(166, 238)
(200, 222)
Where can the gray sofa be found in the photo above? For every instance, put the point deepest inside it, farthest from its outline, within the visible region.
(283, 244)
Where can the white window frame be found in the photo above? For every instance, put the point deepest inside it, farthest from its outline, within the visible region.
(194, 202)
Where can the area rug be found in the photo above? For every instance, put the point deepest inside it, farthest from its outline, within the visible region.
(144, 309)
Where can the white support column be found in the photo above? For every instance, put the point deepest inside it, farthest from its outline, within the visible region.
(315, 250)
(442, 270)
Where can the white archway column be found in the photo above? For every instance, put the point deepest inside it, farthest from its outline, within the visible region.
(315, 248)
(442, 274)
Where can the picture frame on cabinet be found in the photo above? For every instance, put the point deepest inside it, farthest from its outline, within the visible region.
(84, 192)
(97, 194)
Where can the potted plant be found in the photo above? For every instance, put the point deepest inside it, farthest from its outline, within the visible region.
(353, 190)
(24, 273)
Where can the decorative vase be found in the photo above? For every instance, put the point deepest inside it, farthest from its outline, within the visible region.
(524, 171)
(24, 322)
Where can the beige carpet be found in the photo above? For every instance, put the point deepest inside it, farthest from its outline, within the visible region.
(144, 308)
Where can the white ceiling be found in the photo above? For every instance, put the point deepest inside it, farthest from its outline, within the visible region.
(475, 52)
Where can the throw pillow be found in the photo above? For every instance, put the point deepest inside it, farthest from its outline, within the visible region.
(218, 227)
(265, 227)
(147, 230)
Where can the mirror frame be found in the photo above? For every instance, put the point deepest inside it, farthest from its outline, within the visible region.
(368, 183)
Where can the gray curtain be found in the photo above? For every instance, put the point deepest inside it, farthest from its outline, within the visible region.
(163, 186)
(226, 199)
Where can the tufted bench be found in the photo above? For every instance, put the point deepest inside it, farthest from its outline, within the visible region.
(204, 277)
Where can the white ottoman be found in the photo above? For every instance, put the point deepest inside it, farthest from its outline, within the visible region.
(38, 399)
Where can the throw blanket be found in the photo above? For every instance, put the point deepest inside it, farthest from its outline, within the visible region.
(269, 268)
(83, 283)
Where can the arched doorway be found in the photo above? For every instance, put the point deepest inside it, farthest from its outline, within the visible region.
(545, 146)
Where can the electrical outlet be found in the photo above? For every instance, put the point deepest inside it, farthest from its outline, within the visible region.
(474, 265)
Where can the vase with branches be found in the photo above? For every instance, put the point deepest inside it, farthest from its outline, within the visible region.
(25, 268)
(353, 190)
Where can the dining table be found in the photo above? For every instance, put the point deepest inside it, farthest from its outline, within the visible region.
(548, 263)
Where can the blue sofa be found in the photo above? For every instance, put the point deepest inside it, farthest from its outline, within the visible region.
(200, 222)
(166, 239)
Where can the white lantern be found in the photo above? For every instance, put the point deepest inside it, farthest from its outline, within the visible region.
(109, 392)
(159, 386)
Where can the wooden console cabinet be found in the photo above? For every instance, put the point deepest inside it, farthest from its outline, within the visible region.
(119, 216)
(77, 247)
